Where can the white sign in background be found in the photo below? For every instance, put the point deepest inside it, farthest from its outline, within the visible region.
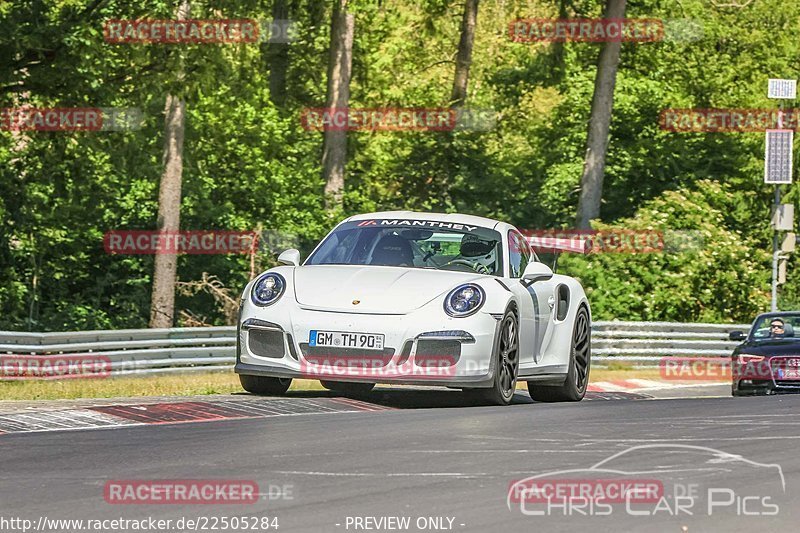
(778, 157)
(782, 89)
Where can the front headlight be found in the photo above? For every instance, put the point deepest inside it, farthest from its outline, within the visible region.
(745, 358)
(267, 289)
(464, 300)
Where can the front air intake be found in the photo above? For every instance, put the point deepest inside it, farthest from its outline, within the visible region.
(437, 353)
(266, 343)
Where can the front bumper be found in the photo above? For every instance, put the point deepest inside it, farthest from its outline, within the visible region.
(772, 376)
(274, 342)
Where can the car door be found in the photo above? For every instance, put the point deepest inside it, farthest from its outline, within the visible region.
(536, 301)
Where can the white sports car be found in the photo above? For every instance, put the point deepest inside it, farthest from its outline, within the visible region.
(419, 299)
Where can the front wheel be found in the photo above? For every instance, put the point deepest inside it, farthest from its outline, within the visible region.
(265, 385)
(506, 358)
(346, 387)
(574, 388)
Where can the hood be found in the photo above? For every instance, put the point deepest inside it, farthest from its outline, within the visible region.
(779, 347)
(379, 289)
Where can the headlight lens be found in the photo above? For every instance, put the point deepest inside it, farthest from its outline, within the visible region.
(464, 300)
(745, 358)
(268, 288)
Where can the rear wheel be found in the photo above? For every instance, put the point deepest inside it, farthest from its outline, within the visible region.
(265, 385)
(348, 388)
(506, 357)
(574, 388)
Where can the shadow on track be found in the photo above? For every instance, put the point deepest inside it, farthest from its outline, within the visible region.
(430, 398)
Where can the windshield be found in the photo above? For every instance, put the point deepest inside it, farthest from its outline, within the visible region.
(412, 244)
(772, 327)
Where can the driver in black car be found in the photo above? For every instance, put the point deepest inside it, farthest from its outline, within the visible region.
(776, 328)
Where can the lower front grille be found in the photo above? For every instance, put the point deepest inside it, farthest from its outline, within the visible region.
(437, 352)
(266, 343)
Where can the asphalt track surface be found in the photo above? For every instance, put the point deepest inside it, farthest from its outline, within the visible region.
(428, 454)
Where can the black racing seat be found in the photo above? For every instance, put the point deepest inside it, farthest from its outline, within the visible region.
(392, 250)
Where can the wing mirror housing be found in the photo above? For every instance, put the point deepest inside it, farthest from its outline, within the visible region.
(536, 272)
(290, 257)
(736, 335)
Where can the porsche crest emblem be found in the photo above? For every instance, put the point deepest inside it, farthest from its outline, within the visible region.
(356, 302)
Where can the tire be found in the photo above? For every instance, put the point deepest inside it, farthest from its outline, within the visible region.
(580, 360)
(265, 385)
(506, 356)
(348, 388)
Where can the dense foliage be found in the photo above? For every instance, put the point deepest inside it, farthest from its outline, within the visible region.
(249, 164)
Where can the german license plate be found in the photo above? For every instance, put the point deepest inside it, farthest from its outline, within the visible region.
(342, 339)
(789, 373)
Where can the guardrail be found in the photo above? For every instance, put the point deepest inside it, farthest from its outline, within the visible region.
(644, 343)
(151, 351)
(135, 351)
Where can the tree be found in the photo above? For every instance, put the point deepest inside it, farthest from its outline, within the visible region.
(464, 55)
(277, 54)
(334, 147)
(162, 306)
(597, 138)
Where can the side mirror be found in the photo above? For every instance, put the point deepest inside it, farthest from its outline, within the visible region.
(536, 272)
(290, 257)
(736, 336)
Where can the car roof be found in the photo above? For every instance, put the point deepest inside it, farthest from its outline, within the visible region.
(776, 314)
(455, 218)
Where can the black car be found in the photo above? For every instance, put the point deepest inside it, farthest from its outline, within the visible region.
(768, 361)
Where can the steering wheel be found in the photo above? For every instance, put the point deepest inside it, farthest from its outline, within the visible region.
(477, 267)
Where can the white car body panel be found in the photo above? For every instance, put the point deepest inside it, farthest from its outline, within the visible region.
(407, 289)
